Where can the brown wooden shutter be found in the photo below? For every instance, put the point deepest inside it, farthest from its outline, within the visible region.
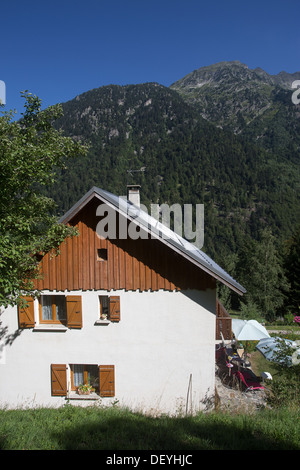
(59, 380)
(26, 314)
(74, 311)
(107, 381)
(114, 308)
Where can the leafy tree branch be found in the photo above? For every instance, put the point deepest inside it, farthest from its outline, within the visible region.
(31, 150)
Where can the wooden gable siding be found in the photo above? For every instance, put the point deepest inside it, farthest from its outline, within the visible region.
(131, 264)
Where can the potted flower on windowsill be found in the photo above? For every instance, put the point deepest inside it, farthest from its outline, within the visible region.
(85, 389)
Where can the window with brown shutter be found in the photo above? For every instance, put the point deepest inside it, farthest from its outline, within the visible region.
(57, 308)
(26, 314)
(104, 307)
(74, 311)
(86, 374)
(101, 378)
(114, 308)
(110, 308)
(53, 309)
(58, 380)
(107, 380)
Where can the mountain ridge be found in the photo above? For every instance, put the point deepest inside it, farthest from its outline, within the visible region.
(282, 78)
(246, 101)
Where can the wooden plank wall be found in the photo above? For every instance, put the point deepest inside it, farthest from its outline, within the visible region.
(223, 322)
(131, 264)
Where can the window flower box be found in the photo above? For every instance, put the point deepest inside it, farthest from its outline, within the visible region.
(85, 389)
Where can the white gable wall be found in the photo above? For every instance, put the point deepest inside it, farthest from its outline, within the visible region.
(163, 344)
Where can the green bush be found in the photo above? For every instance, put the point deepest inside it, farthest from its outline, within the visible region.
(285, 389)
(289, 318)
(285, 386)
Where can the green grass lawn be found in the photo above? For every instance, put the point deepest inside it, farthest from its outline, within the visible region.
(260, 364)
(75, 428)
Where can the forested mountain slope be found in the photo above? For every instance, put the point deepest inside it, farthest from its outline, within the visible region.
(185, 159)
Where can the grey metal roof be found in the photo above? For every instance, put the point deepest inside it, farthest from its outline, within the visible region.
(159, 231)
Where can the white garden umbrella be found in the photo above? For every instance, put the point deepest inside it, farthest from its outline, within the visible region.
(270, 348)
(248, 330)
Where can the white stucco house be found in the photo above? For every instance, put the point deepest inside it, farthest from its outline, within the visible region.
(135, 317)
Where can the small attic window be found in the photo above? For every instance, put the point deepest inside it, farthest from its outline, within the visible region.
(101, 254)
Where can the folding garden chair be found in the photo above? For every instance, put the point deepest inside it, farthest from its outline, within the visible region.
(249, 380)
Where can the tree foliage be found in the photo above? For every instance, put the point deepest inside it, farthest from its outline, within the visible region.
(30, 152)
(285, 386)
(261, 267)
(292, 267)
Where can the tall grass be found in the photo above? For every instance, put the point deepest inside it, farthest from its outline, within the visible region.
(75, 428)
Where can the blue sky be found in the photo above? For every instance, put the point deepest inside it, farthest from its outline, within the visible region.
(60, 49)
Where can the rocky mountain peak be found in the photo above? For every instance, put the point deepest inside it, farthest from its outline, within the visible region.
(231, 95)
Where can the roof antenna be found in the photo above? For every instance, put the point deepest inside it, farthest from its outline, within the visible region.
(130, 172)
